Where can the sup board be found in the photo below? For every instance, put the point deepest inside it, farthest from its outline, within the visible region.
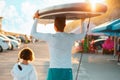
(71, 11)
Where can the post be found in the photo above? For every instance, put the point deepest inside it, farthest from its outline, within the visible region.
(115, 38)
(80, 60)
(0, 24)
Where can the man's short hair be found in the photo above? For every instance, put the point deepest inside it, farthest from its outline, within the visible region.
(60, 22)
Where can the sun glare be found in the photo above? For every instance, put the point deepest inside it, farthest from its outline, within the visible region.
(93, 3)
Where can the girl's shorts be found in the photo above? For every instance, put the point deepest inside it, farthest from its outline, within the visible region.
(60, 74)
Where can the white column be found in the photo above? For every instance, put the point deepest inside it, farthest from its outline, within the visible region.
(0, 24)
(115, 40)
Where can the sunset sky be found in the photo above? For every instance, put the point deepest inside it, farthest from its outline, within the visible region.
(17, 14)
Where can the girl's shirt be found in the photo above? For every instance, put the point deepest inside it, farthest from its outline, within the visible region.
(28, 72)
(60, 45)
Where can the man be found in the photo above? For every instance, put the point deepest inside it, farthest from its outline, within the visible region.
(60, 46)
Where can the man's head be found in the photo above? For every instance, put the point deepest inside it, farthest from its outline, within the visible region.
(59, 24)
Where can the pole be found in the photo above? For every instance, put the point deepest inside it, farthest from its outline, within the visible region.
(1, 24)
(115, 38)
(80, 60)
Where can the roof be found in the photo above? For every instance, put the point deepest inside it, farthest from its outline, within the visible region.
(110, 28)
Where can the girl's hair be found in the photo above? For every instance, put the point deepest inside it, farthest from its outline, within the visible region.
(26, 54)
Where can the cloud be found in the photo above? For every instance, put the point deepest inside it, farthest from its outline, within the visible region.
(10, 18)
(28, 9)
(18, 14)
(2, 5)
(10, 12)
(17, 21)
(26, 27)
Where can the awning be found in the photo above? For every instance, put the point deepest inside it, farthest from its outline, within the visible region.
(111, 28)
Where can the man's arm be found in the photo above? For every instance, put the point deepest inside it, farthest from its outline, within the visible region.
(34, 33)
(34, 28)
(82, 34)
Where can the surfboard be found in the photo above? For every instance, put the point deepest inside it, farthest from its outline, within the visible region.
(71, 11)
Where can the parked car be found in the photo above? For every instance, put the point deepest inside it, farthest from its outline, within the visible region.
(14, 38)
(22, 39)
(14, 44)
(97, 44)
(4, 44)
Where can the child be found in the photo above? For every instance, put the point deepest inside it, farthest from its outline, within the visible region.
(23, 70)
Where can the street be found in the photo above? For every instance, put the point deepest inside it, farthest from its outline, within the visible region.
(93, 66)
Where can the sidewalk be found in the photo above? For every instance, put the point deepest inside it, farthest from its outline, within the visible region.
(98, 67)
(93, 67)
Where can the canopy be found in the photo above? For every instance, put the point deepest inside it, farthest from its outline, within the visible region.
(109, 28)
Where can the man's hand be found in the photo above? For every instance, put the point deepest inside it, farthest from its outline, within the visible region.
(37, 15)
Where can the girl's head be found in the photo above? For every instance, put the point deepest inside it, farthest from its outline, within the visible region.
(26, 54)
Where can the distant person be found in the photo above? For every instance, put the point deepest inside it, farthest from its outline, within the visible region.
(108, 45)
(23, 70)
(60, 46)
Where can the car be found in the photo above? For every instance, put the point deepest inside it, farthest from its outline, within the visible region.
(14, 38)
(97, 44)
(23, 40)
(14, 44)
(4, 44)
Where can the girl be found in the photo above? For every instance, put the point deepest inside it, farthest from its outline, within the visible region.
(23, 70)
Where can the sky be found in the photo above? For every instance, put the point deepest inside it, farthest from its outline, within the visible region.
(18, 14)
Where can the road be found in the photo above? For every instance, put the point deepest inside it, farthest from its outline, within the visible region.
(93, 66)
